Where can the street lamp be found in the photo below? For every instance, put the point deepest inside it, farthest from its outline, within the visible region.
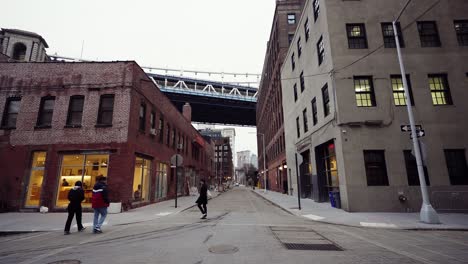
(264, 160)
(427, 214)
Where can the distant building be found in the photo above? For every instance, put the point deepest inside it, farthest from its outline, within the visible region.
(224, 168)
(243, 157)
(20, 45)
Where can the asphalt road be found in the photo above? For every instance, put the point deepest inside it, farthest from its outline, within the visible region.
(241, 228)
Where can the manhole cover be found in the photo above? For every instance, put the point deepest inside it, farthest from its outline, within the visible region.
(66, 261)
(223, 249)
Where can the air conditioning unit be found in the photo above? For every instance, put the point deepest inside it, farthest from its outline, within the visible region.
(153, 131)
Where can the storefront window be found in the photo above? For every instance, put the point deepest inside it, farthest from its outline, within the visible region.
(161, 181)
(35, 179)
(141, 179)
(80, 167)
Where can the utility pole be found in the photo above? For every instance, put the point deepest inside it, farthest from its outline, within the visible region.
(264, 161)
(427, 214)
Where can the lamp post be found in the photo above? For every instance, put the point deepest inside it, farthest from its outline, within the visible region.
(427, 214)
(264, 160)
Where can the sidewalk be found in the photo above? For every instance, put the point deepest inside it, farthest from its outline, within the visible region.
(31, 222)
(323, 212)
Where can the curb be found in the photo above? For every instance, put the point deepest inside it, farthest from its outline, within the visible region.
(359, 226)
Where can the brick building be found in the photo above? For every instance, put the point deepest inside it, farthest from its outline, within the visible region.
(269, 106)
(63, 122)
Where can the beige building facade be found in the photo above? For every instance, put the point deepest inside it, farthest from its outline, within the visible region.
(344, 104)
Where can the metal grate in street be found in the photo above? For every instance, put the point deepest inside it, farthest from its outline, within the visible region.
(300, 238)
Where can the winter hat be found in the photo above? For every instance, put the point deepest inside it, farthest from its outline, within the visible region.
(78, 183)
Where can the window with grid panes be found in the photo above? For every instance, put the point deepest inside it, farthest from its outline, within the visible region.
(299, 47)
(428, 34)
(11, 111)
(320, 51)
(440, 91)
(304, 119)
(356, 36)
(290, 38)
(326, 100)
(316, 4)
(291, 19)
(389, 36)
(412, 169)
(142, 117)
(106, 109)
(376, 169)
(461, 28)
(75, 110)
(302, 82)
(46, 111)
(399, 91)
(306, 29)
(363, 87)
(161, 129)
(314, 112)
(295, 92)
(457, 167)
(298, 127)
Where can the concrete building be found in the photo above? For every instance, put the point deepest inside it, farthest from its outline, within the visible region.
(64, 122)
(20, 45)
(243, 157)
(224, 168)
(270, 117)
(254, 160)
(344, 103)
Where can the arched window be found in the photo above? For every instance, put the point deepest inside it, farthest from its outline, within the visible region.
(19, 51)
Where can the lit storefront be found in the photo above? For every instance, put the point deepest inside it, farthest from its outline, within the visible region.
(80, 167)
(33, 196)
(141, 180)
(161, 181)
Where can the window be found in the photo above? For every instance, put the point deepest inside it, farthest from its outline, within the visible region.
(161, 129)
(304, 118)
(302, 82)
(412, 169)
(399, 91)
(320, 50)
(364, 90)
(389, 37)
(356, 36)
(106, 110)
(440, 91)
(36, 177)
(174, 138)
(80, 167)
(290, 37)
(456, 165)
(141, 180)
(298, 127)
(10, 115)
(291, 19)
(153, 120)
(376, 169)
(293, 62)
(299, 47)
(316, 9)
(19, 52)
(161, 189)
(168, 137)
(314, 111)
(295, 92)
(461, 28)
(306, 29)
(142, 118)
(75, 111)
(428, 34)
(46, 111)
(326, 100)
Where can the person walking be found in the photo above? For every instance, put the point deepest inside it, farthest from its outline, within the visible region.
(75, 196)
(203, 199)
(99, 202)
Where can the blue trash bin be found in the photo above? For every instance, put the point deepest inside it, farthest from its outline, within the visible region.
(336, 197)
(332, 199)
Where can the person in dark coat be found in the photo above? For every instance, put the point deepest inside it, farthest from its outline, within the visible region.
(203, 199)
(75, 196)
(99, 202)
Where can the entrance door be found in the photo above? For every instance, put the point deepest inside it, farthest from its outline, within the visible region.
(306, 169)
(34, 187)
(327, 172)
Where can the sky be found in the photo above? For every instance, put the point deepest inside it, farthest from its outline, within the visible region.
(203, 35)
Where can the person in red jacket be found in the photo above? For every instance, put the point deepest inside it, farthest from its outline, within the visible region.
(99, 202)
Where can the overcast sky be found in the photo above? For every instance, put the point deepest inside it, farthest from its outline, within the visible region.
(208, 35)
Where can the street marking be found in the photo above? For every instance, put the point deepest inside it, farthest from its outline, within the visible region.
(163, 214)
(380, 225)
(314, 217)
